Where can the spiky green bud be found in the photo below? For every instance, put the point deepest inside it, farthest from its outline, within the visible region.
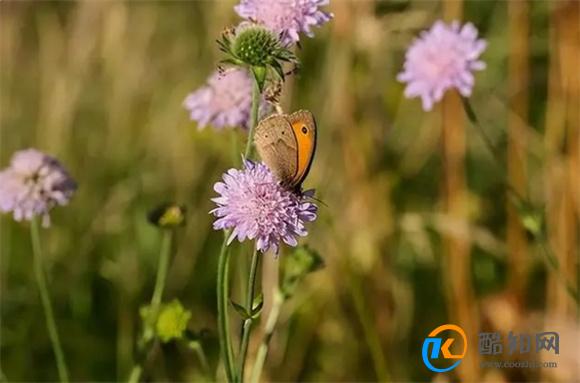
(256, 47)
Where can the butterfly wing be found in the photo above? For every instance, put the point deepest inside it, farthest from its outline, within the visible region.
(277, 146)
(304, 128)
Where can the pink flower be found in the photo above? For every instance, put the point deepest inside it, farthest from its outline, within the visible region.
(33, 184)
(442, 58)
(225, 101)
(286, 17)
(254, 205)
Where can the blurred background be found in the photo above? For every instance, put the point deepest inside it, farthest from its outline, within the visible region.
(418, 230)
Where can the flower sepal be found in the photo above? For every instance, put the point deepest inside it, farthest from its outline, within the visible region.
(260, 76)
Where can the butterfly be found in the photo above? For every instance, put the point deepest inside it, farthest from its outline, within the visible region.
(287, 143)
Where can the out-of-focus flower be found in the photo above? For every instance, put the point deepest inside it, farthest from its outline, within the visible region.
(255, 206)
(442, 58)
(172, 321)
(285, 17)
(254, 46)
(168, 215)
(169, 323)
(33, 184)
(225, 101)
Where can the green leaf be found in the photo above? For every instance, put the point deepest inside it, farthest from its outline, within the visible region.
(258, 306)
(241, 310)
(231, 61)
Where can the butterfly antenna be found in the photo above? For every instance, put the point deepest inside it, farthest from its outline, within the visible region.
(318, 200)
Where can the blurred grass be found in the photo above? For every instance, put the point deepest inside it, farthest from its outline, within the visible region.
(100, 86)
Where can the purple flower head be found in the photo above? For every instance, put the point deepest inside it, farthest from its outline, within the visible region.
(33, 184)
(287, 17)
(442, 58)
(225, 101)
(254, 205)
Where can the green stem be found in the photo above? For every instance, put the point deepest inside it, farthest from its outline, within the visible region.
(198, 349)
(268, 332)
(253, 118)
(369, 330)
(222, 303)
(555, 264)
(522, 201)
(223, 279)
(47, 306)
(162, 267)
(247, 326)
(149, 331)
(135, 373)
(470, 112)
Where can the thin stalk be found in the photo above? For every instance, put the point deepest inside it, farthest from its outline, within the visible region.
(540, 237)
(253, 118)
(247, 327)
(223, 270)
(222, 303)
(135, 373)
(198, 349)
(475, 121)
(555, 264)
(148, 333)
(490, 146)
(162, 267)
(46, 305)
(369, 330)
(268, 332)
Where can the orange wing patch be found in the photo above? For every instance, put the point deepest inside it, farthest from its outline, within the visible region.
(306, 140)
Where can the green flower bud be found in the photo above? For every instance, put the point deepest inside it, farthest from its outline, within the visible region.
(531, 217)
(167, 215)
(258, 48)
(255, 45)
(172, 321)
(532, 222)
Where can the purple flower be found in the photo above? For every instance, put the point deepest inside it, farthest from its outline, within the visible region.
(287, 17)
(255, 206)
(33, 184)
(440, 59)
(225, 101)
